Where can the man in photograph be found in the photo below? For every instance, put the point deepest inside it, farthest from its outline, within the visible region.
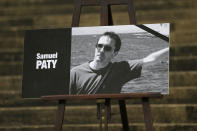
(101, 75)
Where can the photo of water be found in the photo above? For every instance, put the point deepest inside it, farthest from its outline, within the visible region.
(154, 77)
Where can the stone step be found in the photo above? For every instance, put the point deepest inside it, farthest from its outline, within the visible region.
(167, 15)
(62, 20)
(184, 25)
(173, 13)
(183, 50)
(35, 10)
(112, 127)
(12, 32)
(18, 25)
(161, 113)
(11, 55)
(183, 78)
(12, 44)
(11, 3)
(183, 37)
(179, 95)
(183, 63)
(40, 2)
(10, 68)
(58, 20)
(142, 4)
(17, 22)
(161, 4)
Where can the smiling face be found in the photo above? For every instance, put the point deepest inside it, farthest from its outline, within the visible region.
(104, 51)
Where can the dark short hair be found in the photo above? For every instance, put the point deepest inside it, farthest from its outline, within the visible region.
(116, 38)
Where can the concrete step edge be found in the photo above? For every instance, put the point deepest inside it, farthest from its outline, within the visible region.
(44, 7)
(138, 5)
(191, 12)
(69, 1)
(97, 125)
(13, 50)
(183, 57)
(34, 17)
(69, 107)
(184, 72)
(183, 45)
(182, 87)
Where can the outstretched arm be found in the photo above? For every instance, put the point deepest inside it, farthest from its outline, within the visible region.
(155, 55)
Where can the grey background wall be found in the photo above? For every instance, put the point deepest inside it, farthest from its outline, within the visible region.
(175, 112)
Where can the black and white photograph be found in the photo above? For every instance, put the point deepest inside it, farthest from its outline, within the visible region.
(119, 59)
(96, 60)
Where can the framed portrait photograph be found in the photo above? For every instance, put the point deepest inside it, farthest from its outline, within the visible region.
(96, 60)
(119, 59)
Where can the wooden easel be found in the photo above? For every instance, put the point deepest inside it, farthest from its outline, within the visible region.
(103, 100)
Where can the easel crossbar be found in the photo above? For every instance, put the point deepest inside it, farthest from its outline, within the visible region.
(102, 96)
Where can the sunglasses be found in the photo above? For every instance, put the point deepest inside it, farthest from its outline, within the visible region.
(105, 47)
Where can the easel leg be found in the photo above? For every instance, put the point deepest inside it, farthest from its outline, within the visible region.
(107, 113)
(76, 13)
(106, 14)
(123, 112)
(131, 12)
(60, 115)
(147, 114)
(99, 114)
(103, 113)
